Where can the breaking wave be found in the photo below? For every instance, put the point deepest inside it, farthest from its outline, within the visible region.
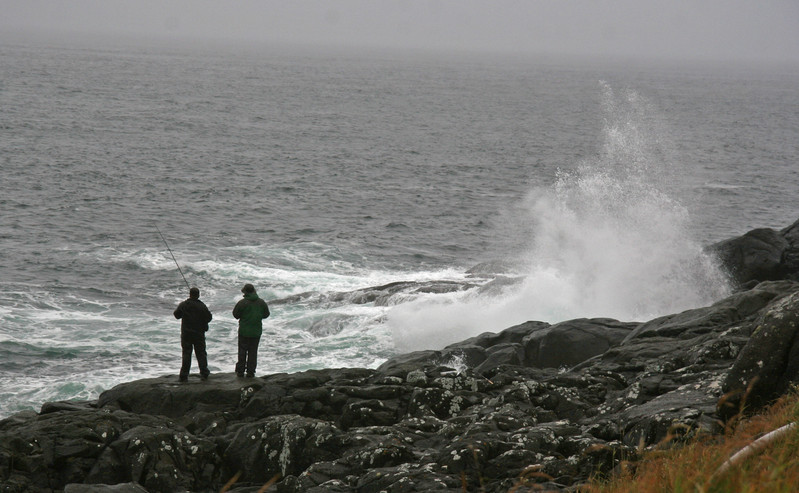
(607, 239)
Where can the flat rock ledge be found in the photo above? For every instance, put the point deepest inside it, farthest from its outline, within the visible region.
(536, 407)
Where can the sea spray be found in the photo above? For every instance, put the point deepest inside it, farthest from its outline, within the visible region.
(313, 212)
(608, 239)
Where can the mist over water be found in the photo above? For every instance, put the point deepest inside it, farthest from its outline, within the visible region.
(608, 239)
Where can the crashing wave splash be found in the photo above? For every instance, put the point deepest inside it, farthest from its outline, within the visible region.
(608, 239)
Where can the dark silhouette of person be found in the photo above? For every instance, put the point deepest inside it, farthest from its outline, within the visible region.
(250, 312)
(194, 317)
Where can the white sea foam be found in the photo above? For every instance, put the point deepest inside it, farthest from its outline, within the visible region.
(608, 241)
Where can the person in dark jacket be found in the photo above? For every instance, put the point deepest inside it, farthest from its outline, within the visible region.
(194, 317)
(250, 311)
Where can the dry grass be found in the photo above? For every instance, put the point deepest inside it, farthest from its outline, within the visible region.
(236, 477)
(692, 468)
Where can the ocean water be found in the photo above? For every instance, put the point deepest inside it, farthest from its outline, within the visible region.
(380, 202)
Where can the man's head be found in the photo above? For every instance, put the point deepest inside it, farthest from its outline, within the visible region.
(194, 293)
(248, 288)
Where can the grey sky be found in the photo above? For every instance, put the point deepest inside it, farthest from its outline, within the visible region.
(736, 29)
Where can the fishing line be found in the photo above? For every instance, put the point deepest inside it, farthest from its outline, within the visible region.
(173, 256)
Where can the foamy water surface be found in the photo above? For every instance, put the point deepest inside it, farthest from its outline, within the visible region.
(322, 180)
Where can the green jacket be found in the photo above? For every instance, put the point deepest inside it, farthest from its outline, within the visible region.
(250, 311)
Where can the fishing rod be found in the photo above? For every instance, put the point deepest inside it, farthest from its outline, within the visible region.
(173, 256)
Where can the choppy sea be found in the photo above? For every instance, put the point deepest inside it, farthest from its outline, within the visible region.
(380, 202)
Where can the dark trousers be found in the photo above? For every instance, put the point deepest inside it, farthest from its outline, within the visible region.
(196, 342)
(248, 354)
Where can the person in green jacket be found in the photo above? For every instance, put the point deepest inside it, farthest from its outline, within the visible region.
(249, 311)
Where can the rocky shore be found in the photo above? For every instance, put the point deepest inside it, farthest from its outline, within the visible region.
(536, 406)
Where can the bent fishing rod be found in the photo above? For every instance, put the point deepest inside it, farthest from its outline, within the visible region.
(173, 256)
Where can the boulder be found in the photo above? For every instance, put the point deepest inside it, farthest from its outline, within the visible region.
(790, 258)
(569, 343)
(280, 445)
(105, 488)
(755, 256)
(160, 456)
(169, 397)
(531, 344)
(723, 313)
(769, 362)
(760, 255)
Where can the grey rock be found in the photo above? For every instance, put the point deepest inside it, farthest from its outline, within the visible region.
(565, 401)
(168, 397)
(761, 255)
(723, 313)
(769, 362)
(569, 343)
(105, 488)
(757, 255)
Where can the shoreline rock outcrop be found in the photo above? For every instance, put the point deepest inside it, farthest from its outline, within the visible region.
(533, 406)
(763, 254)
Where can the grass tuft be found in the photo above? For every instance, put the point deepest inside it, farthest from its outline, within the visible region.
(698, 466)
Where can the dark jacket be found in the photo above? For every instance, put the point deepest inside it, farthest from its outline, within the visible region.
(250, 310)
(194, 316)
